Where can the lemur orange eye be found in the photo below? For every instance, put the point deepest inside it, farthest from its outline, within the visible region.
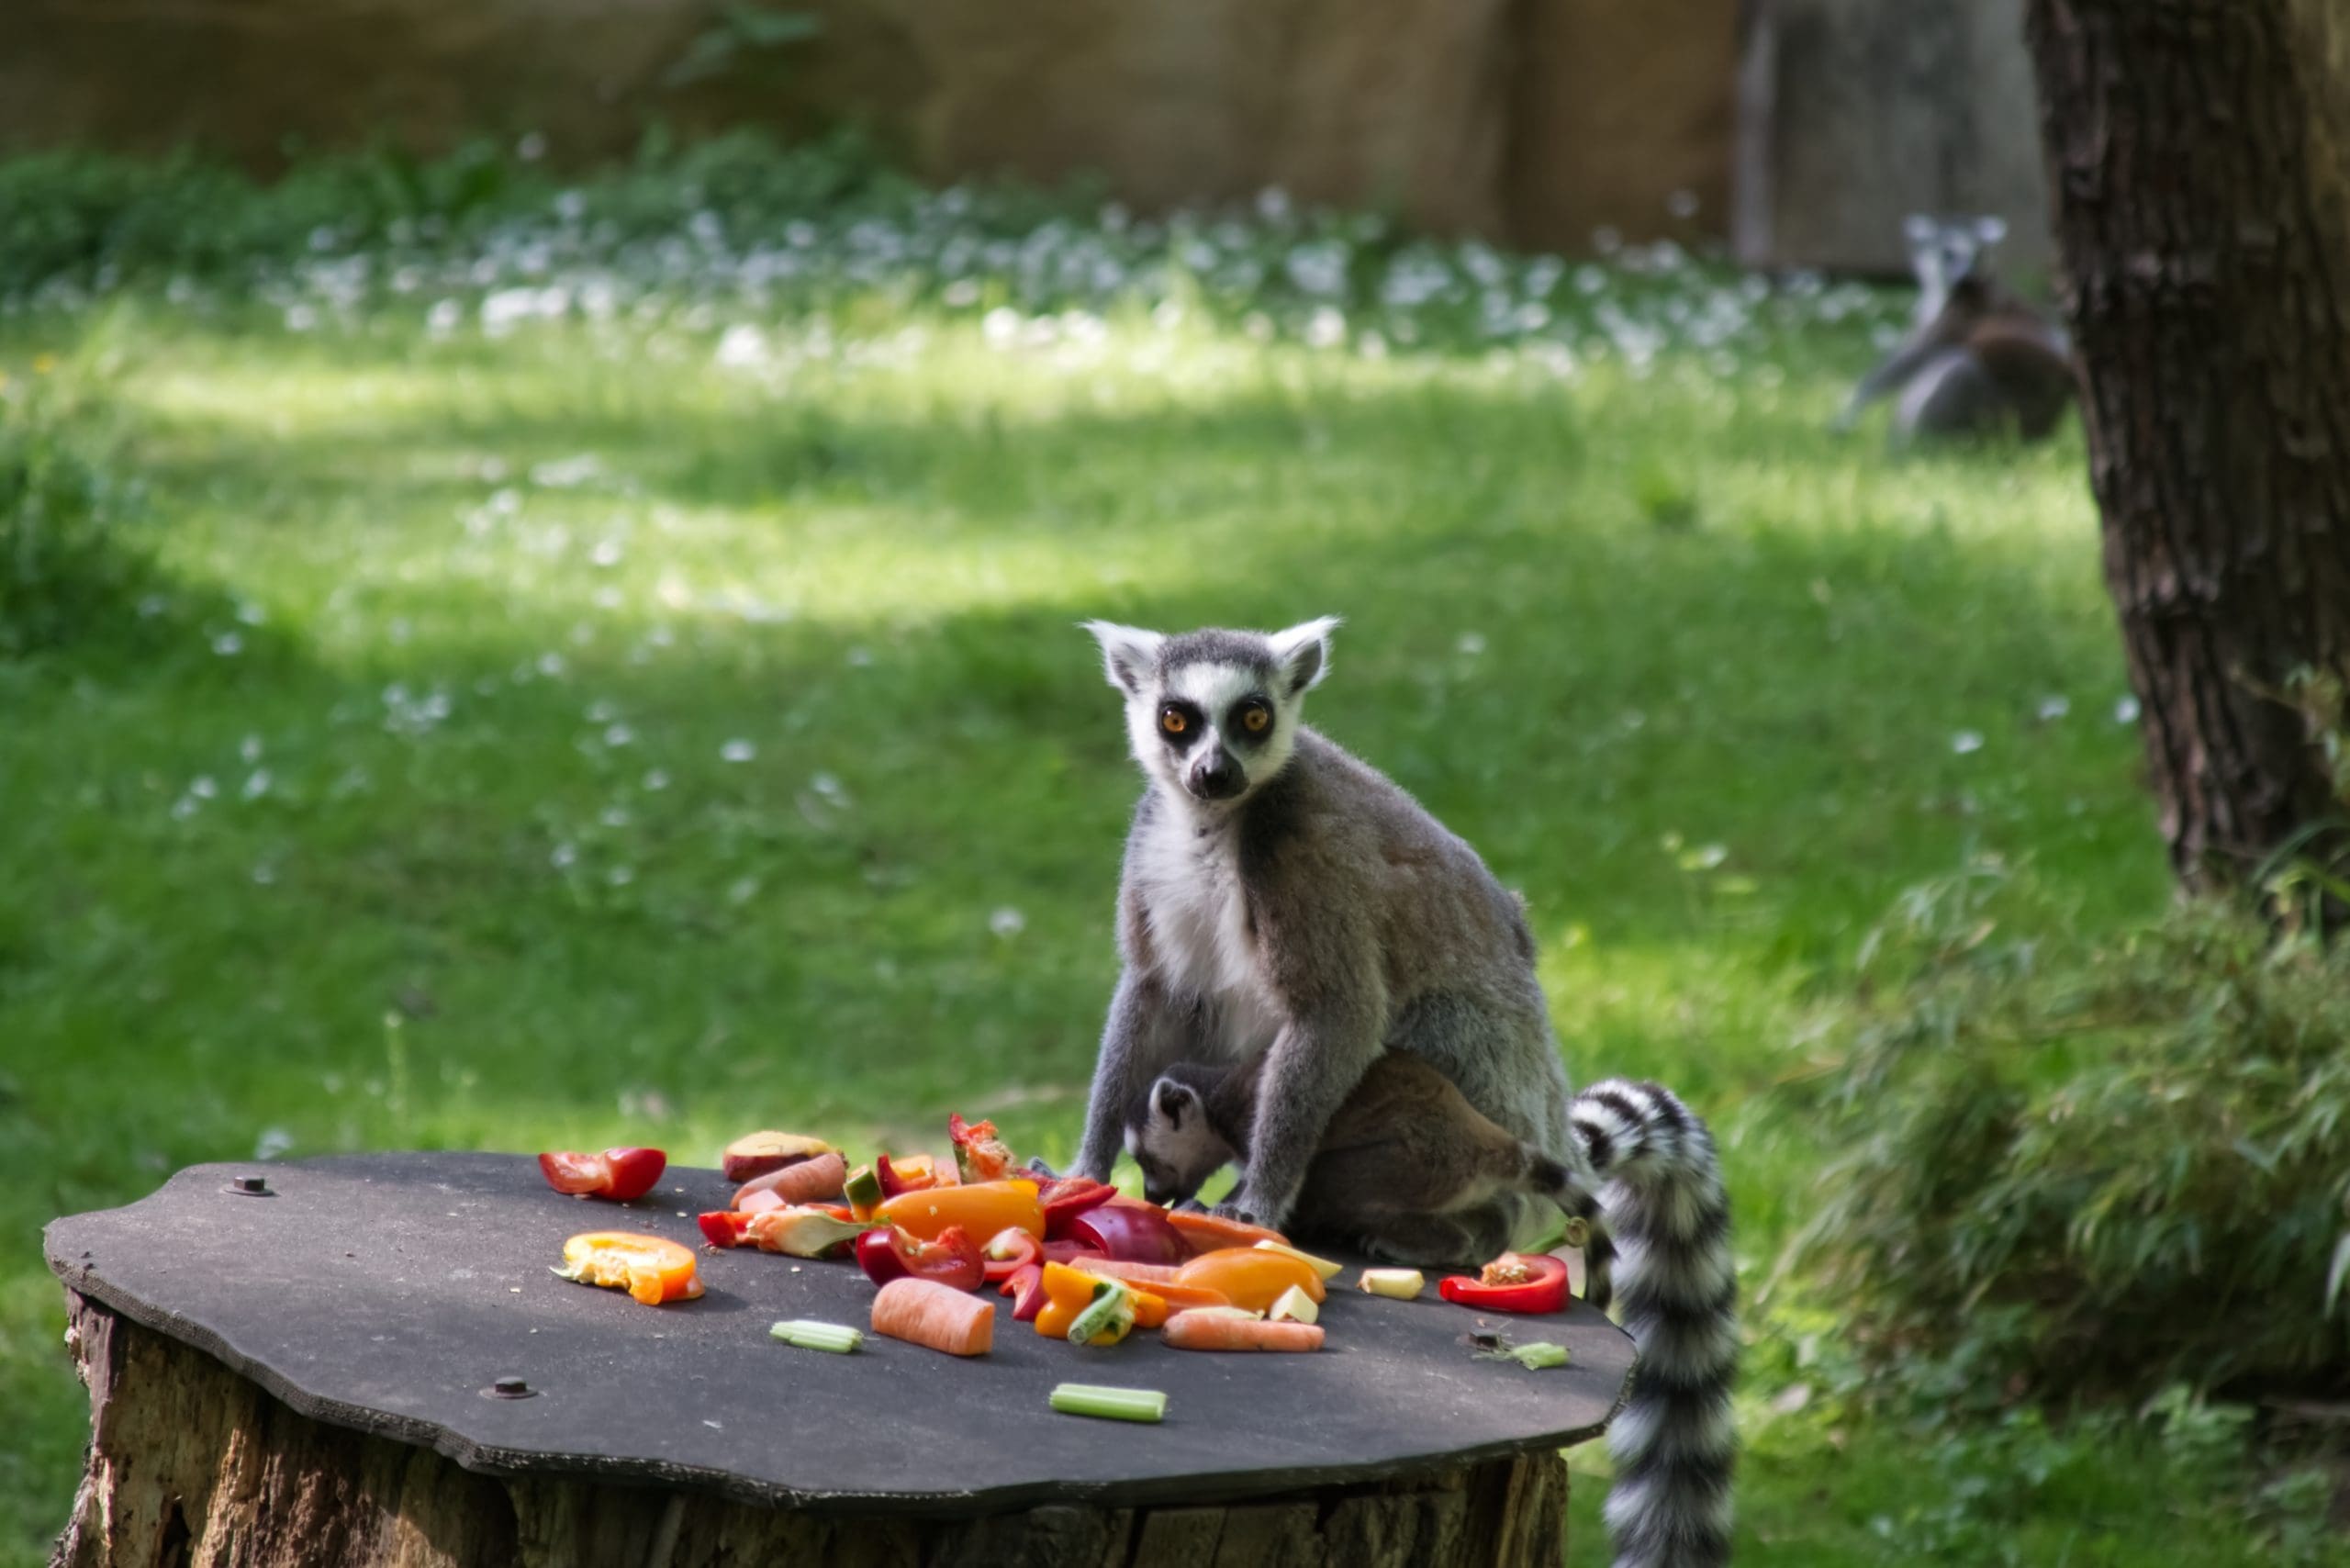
(1256, 719)
(1171, 720)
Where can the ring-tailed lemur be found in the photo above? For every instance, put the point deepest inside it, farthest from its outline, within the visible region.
(1978, 360)
(1281, 897)
(1409, 1171)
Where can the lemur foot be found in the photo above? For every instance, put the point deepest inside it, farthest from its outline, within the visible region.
(1036, 1163)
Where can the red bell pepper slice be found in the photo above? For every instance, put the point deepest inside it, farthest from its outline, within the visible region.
(979, 1154)
(913, 1173)
(623, 1175)
(1068, 1197)
(1011, 1251)
(874, 1256)
(1512, 1283)
(725, 1227)
(892, 1253)
(1135, 1232)
(1027, 1289)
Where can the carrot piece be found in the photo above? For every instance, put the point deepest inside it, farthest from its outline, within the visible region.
(1218, 1331)
(1150, 1311)
(1133, 1274)
(805, 1183)
(1207, 1232)
(923, 1312)
(1178, 1297)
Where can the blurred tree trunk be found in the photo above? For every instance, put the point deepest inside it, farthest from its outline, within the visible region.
(2196, 156)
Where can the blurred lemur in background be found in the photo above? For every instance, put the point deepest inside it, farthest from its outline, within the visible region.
(1282, 899)
(1978, 360)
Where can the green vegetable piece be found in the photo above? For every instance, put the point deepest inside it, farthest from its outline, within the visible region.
(1110, 1404)
(1107, 1319)
(809, 1335)
(863, 1191)
(805, 1232)
(1533, 1358)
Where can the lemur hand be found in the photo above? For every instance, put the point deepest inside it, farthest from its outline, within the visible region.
(1238, 1205)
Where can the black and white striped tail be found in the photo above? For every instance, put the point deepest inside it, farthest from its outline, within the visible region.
(1676, 1295)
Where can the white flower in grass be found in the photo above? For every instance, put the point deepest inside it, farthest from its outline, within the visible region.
(1007, 921)
(1966, 742)
(738, 751)
(2053, 707)
(2126, 711)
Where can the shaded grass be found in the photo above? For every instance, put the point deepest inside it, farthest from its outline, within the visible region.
(434, 898)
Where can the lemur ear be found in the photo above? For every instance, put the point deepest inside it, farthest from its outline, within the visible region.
(1918, 228)
(1174, 1102)
(1128, 652)
(1990, 230)
(1303, 653)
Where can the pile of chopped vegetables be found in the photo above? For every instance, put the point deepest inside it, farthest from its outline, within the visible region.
(1077, 1259)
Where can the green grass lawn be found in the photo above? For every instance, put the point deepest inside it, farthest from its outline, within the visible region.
(588, 734)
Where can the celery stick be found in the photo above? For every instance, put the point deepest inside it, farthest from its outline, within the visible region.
(809, 1335)
(1541, 1354)
(1110, 1404)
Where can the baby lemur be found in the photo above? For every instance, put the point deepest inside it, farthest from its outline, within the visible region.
(1405, 1152)
(1286, 906)
(1978, 360)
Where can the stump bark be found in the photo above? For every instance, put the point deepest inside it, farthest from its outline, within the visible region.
(191, 1465)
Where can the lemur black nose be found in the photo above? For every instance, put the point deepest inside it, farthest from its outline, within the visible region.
(1217, 777)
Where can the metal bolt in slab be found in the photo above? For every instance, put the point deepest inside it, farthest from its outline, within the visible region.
(251, 1187)
(510, 1388)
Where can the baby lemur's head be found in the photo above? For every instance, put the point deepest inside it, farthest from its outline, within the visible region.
(1214, 714)
(1172, 1142)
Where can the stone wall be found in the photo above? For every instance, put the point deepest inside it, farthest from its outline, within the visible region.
(1534, 120)
(1855, 112)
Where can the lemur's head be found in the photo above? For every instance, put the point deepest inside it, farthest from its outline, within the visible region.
(1172, 1144)
(1213, 716)
(1945, 252)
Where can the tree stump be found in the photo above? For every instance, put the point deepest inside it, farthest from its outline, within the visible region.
(252, 1404)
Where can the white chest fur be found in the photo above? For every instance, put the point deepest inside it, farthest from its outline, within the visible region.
(1198, 917)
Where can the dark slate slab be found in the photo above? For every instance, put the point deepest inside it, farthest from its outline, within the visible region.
(385, 1291)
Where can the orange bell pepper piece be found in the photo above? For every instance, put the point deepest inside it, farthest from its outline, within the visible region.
(1067, 1291)
(982, 1208)
(1251, 1280)
(650, 1269)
